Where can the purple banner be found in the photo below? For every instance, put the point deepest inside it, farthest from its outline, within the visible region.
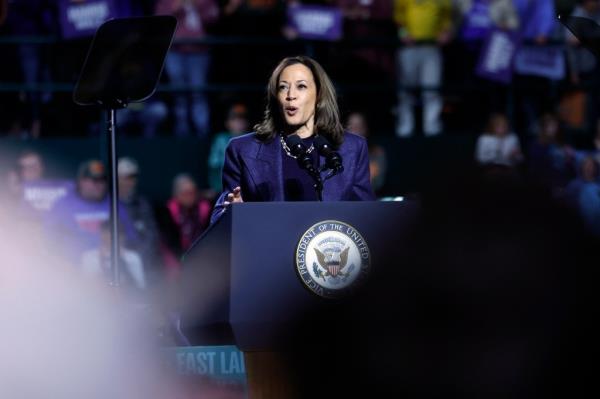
(316, 22)
(42, 195)
(545, 61)
(497, 55)
(79, 18)
(477, 23)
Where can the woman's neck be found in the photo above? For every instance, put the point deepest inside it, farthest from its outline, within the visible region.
(303, 131)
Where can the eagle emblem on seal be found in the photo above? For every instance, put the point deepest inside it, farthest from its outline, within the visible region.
(332, 259)
(333, 262)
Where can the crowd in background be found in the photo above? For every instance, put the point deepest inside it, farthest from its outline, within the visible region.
(409, 68)
(442, 56)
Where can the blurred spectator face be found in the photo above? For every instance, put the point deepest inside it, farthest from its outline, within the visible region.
(297, 95)
(30, 167)
(589, 169)
(357, 124)
(186, 193)
(92, 189)
(498, 125)
(549, 130)
(127, 186)
(591, 6)
(549, 127)
(91, 181)
(237, 122)
(128, 177)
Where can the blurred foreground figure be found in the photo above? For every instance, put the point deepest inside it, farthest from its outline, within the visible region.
(63, 336)
(488, 303)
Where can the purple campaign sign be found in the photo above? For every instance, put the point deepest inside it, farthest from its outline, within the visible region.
(42, 195)
(82, 17)
(545, 61)
(477, 23)
(497, 55)
(316, 22)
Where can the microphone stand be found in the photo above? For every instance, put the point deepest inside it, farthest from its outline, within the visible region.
(316, 175)
(319, 182)
(333, 161)
(298, 150)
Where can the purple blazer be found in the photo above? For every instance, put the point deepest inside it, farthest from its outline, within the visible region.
(256, 167)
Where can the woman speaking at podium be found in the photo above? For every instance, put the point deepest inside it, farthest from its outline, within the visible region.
(299, 145)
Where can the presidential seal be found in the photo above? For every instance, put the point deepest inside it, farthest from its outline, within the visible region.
(332, 259)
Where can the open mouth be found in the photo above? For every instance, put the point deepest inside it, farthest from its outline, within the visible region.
(291, 111)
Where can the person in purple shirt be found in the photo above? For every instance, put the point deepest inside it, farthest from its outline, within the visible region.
(538, 19)
(260, 166)
(74, 222)
(538, 26)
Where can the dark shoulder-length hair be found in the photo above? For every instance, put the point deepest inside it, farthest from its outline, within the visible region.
(327, 114)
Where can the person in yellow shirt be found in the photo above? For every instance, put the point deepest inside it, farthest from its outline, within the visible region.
(423, 27)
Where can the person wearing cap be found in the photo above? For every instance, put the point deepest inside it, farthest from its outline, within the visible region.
(236, 124)
(75, 220)
(91, 181)
(141, 213)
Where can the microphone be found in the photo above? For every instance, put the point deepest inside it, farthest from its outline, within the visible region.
(333, 160)
(298, 149)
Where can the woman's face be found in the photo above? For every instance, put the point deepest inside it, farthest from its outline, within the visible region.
(297, 95)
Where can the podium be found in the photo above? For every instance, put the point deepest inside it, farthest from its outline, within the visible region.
(241, 283)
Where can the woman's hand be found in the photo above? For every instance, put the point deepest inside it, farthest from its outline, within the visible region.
(233, 197)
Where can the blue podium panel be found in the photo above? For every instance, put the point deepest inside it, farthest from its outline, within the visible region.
(266, 292)
(204, 287)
